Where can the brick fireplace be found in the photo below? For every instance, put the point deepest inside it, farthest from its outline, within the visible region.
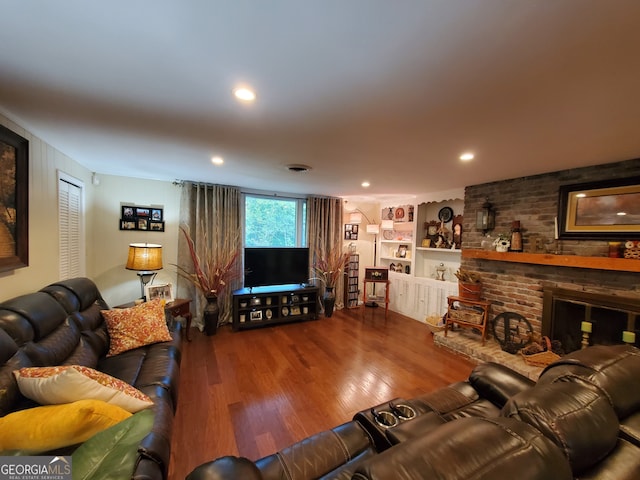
(521, 287)
(606, 315)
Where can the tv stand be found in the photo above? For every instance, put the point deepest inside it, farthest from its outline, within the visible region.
(255, 307)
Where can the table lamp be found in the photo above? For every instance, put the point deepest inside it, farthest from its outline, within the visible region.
(144, 258)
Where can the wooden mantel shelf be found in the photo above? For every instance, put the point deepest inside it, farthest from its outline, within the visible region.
(597, 263)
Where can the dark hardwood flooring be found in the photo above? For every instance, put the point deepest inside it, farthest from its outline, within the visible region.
(254, 392)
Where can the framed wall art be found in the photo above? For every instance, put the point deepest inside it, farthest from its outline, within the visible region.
(351, 231)
(142, 218)
(14, 200)
(607, 209)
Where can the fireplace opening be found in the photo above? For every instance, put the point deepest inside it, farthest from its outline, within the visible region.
(564, 312)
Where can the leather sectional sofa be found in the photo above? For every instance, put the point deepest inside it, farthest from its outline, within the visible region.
(62, 325)
(580, 420)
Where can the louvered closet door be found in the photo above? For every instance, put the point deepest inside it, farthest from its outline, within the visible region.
(70, 224)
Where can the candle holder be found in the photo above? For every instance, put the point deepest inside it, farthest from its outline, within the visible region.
(586, 328)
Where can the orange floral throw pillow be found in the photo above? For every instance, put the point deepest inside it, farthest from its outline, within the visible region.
(137, 326)
(70, 383)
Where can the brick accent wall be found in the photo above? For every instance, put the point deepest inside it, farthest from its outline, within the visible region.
(514, 287)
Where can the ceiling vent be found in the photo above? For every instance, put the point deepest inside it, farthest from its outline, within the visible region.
(298, 168)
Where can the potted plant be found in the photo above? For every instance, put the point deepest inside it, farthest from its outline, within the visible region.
(502, 242)
(212, 273)
(469, 284)
(328, 268)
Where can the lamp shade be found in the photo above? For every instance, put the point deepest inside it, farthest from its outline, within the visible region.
(355, 217)
(144, 257)
(387, 225)
(373, 228)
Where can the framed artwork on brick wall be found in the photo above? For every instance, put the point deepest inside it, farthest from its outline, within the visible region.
(607, 209)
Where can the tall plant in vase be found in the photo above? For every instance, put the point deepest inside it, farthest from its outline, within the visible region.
(328, 268)
(213, 271)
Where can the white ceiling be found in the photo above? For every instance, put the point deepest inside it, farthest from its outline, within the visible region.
(389, 91)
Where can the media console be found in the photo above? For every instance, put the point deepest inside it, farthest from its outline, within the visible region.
(271, 305)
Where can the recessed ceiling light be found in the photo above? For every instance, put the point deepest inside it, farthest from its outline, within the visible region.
(365, 184)
(244, 94)
(465, 157)
(621, 214)
(217, 160)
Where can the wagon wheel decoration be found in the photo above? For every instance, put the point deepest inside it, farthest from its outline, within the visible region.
(512, 331)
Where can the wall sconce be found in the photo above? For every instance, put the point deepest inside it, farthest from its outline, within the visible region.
(144, 257)
(486, 217)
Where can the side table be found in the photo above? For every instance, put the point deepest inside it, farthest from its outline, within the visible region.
(386, 293)
(180, 307)
(467, 314)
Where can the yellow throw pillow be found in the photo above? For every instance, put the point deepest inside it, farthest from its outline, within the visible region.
(64, 384)
(41, 429)
(137, 326)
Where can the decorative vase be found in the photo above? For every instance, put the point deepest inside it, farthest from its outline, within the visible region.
(329, 301)
(211, 314)
(502, 247)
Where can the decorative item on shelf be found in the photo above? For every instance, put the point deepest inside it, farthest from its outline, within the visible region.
(399, 268)
(456, 226)
(586, 328)
(502, 242)
(614, 249)
(487, 242)
(443, 237)
(486, 217)
(431, 231)
(445, 214)
(146, 258)
(212, 273)
(440, 271)
(469, 284)
(632, 249)
(516, 237)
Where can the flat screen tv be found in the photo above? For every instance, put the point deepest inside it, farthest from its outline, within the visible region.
(275, 266)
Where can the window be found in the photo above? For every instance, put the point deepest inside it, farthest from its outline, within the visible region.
(274, 221)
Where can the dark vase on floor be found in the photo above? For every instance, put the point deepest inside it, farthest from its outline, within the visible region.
(329, 301)
(211, 314)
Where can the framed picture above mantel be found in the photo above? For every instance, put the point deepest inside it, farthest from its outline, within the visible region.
(142, 218)
(14, 200)
(606, 210)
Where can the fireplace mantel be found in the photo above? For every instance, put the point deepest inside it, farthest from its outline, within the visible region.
(575, 261)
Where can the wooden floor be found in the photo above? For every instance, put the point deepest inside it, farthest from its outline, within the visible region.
(253, 392)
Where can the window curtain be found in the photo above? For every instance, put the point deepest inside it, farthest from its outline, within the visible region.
(325, 233)
(210, 213)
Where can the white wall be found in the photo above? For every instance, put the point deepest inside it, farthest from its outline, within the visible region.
(106, 244)
(109, 244)
(44, 161)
